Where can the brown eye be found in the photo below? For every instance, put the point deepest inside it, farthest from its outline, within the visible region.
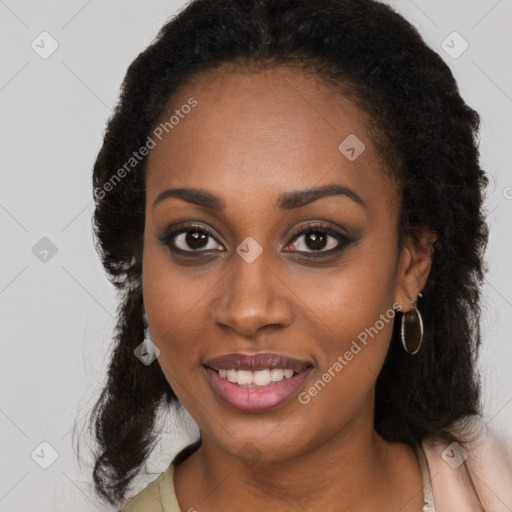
(195, 239)
(190, 239)
(316, 240)
(319, 239)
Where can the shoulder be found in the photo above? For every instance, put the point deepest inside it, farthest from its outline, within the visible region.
(157, 496)
(474, 475)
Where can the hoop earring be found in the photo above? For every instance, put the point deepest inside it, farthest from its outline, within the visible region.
(412, 329)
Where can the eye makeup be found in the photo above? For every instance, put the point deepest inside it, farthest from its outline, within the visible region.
(319, 240)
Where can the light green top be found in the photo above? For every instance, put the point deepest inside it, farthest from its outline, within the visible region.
(158, 496)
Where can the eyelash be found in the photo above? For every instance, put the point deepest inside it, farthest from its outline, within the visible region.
(343, 240)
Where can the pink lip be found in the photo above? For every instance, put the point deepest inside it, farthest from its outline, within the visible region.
(253, 362)
(256, 399)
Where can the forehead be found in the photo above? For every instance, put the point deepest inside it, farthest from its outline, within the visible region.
(262, 132)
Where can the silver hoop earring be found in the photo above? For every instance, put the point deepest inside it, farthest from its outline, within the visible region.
(412, 329)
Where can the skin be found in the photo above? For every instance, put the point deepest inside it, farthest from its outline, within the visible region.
(252, 137)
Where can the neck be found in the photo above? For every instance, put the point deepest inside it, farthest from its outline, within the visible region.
(355, 469)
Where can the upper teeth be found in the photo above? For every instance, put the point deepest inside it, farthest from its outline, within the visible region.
(257, 378)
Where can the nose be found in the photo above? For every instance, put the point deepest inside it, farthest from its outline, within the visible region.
(253, 298)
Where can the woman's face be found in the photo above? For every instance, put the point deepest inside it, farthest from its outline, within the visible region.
(252, 277)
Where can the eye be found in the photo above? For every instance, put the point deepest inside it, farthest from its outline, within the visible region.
(189, 239)
(319, 239)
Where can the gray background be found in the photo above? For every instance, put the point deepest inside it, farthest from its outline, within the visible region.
(57, 315)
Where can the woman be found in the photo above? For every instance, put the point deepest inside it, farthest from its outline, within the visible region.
(290, 201)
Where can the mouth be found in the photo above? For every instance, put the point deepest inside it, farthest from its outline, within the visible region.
(259, 378)
(256, 383)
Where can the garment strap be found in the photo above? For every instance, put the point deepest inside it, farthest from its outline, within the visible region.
(428, 496)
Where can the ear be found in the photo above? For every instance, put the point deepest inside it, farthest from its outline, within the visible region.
(414, 266)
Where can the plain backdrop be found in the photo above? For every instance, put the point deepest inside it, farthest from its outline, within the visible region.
(57, 315)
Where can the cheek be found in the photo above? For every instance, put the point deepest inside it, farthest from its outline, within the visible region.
(353, 317)
(170, 291)
(177, 306)
(172, 305)
(176, 314)
(352, 296)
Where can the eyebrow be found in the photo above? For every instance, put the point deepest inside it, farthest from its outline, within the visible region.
(286, 201)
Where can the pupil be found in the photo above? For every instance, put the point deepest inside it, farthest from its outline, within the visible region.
(317, 240)
(196, 240)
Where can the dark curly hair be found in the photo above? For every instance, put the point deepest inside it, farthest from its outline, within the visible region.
(427, 138)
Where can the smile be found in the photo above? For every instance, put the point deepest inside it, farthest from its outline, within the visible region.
(256, 379)
(256, 383)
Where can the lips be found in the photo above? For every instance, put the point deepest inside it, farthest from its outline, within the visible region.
(256, 383)
(265, 361)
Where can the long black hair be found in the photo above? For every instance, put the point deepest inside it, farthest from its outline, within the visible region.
(427, 138)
